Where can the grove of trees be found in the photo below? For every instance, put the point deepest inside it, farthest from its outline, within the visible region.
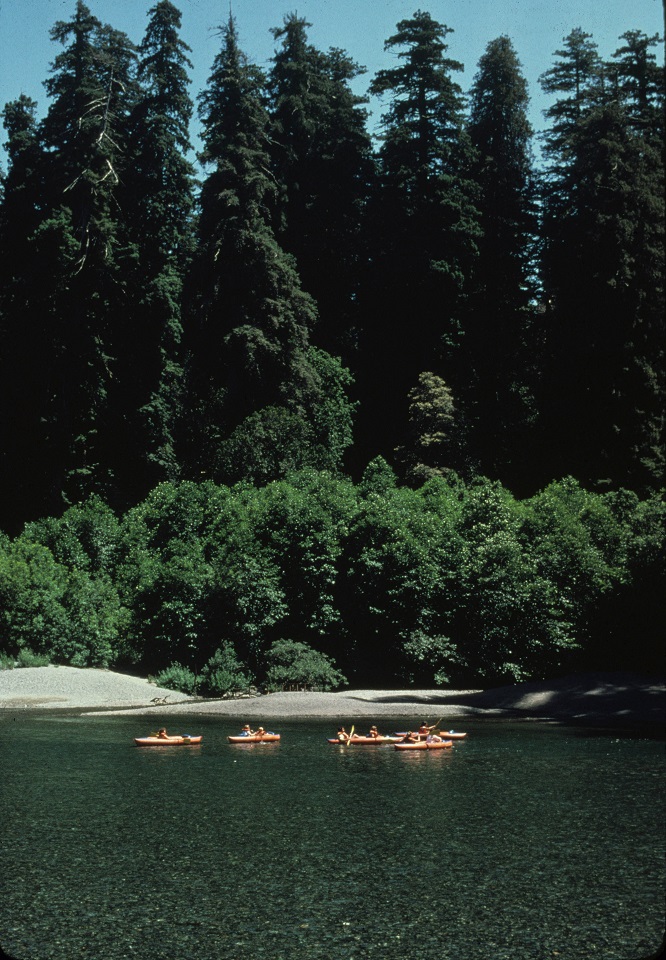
(396, 402)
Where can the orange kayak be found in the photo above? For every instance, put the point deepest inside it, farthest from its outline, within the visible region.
(369, 741)
(264, 738)
(424, 745)
(166, 742)
(448, 734)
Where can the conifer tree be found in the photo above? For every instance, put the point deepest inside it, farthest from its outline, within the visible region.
(255, 384)
(640, 81)
(499, 339)
(424, 229)
(76, 268)
(20, 388)
(603, 272)
(577, 78)
(321, 156)
(431, 434)
(157, 202)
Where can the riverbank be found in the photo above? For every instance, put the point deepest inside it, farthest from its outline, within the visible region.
(611, 699)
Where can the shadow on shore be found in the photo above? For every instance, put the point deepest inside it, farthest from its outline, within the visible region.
(616, 699)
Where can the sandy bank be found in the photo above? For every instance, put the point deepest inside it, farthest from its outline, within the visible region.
(610, 698)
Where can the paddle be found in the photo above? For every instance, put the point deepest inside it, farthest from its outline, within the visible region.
(434, 727)
(351, 734)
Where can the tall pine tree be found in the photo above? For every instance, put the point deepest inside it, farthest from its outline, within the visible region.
(424, 231)
(262, 397)
(499, 341)
(603, 274)
(322, 159)
(157, 202)
(20, 377)
(76, 271)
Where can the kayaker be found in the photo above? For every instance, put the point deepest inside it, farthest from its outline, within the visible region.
(162, 734)
(409, 738)
(433, 738)
(247, 731)
(424, 729)
(260, 732)
(342, 735)
(374, 732)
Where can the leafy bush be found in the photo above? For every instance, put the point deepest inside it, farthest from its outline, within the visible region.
(223, 674)
(176, 677)
(7, 662)
(296, 666)
(26, 658)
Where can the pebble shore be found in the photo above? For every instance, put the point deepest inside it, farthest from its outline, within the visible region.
(611, 699)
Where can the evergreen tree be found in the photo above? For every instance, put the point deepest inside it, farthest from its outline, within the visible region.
(76, 271)
(640, 81)
(424, 229)
(157, 201)
(499, 338)
(19, 378)
(252, 371)
(430, 446)
(577, 79)
(321, 155)
(603, 271)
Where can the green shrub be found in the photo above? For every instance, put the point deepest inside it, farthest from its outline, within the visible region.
(176, 677)
(296, 666)
(223, 674)
(7, 662)
(26, 658)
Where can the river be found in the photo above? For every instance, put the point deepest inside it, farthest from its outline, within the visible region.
(526, 841)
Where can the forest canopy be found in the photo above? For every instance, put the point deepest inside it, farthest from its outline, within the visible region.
(396, 399)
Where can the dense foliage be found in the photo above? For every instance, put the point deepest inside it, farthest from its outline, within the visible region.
(312, 579)
(246, 422)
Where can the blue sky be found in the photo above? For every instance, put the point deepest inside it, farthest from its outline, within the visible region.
(360, 27)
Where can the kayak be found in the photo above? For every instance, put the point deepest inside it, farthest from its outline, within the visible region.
(424, 745)
(264, 738)
(178, 741)
(365, 741)
(449, 734)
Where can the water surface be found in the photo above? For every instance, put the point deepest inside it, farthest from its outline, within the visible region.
(527, 841)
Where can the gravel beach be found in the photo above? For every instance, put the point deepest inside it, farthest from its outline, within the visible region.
(600, 698)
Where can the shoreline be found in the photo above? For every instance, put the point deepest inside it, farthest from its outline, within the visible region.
(591, 699)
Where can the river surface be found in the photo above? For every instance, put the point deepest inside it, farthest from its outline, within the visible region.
(527, 841)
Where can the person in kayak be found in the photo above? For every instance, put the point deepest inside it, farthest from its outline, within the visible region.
(424, 729)
(409, 738)
(260, 732)
(342, 735)
(374, 732)
(434, 738)
(162, 734)
(247, 731)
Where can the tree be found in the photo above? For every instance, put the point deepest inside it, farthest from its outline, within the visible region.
(511, 622)
(321, 156)
(640, 81)
(77, 270)
(431, 420)
(157, 199)
(603, 274)
(577, 78)
(20, 369)
(251, 320)
(423, 229)
(499, 345)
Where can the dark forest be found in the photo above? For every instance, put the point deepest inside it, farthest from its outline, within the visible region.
(322, 404)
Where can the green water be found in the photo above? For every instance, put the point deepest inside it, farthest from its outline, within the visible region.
(525, 841)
